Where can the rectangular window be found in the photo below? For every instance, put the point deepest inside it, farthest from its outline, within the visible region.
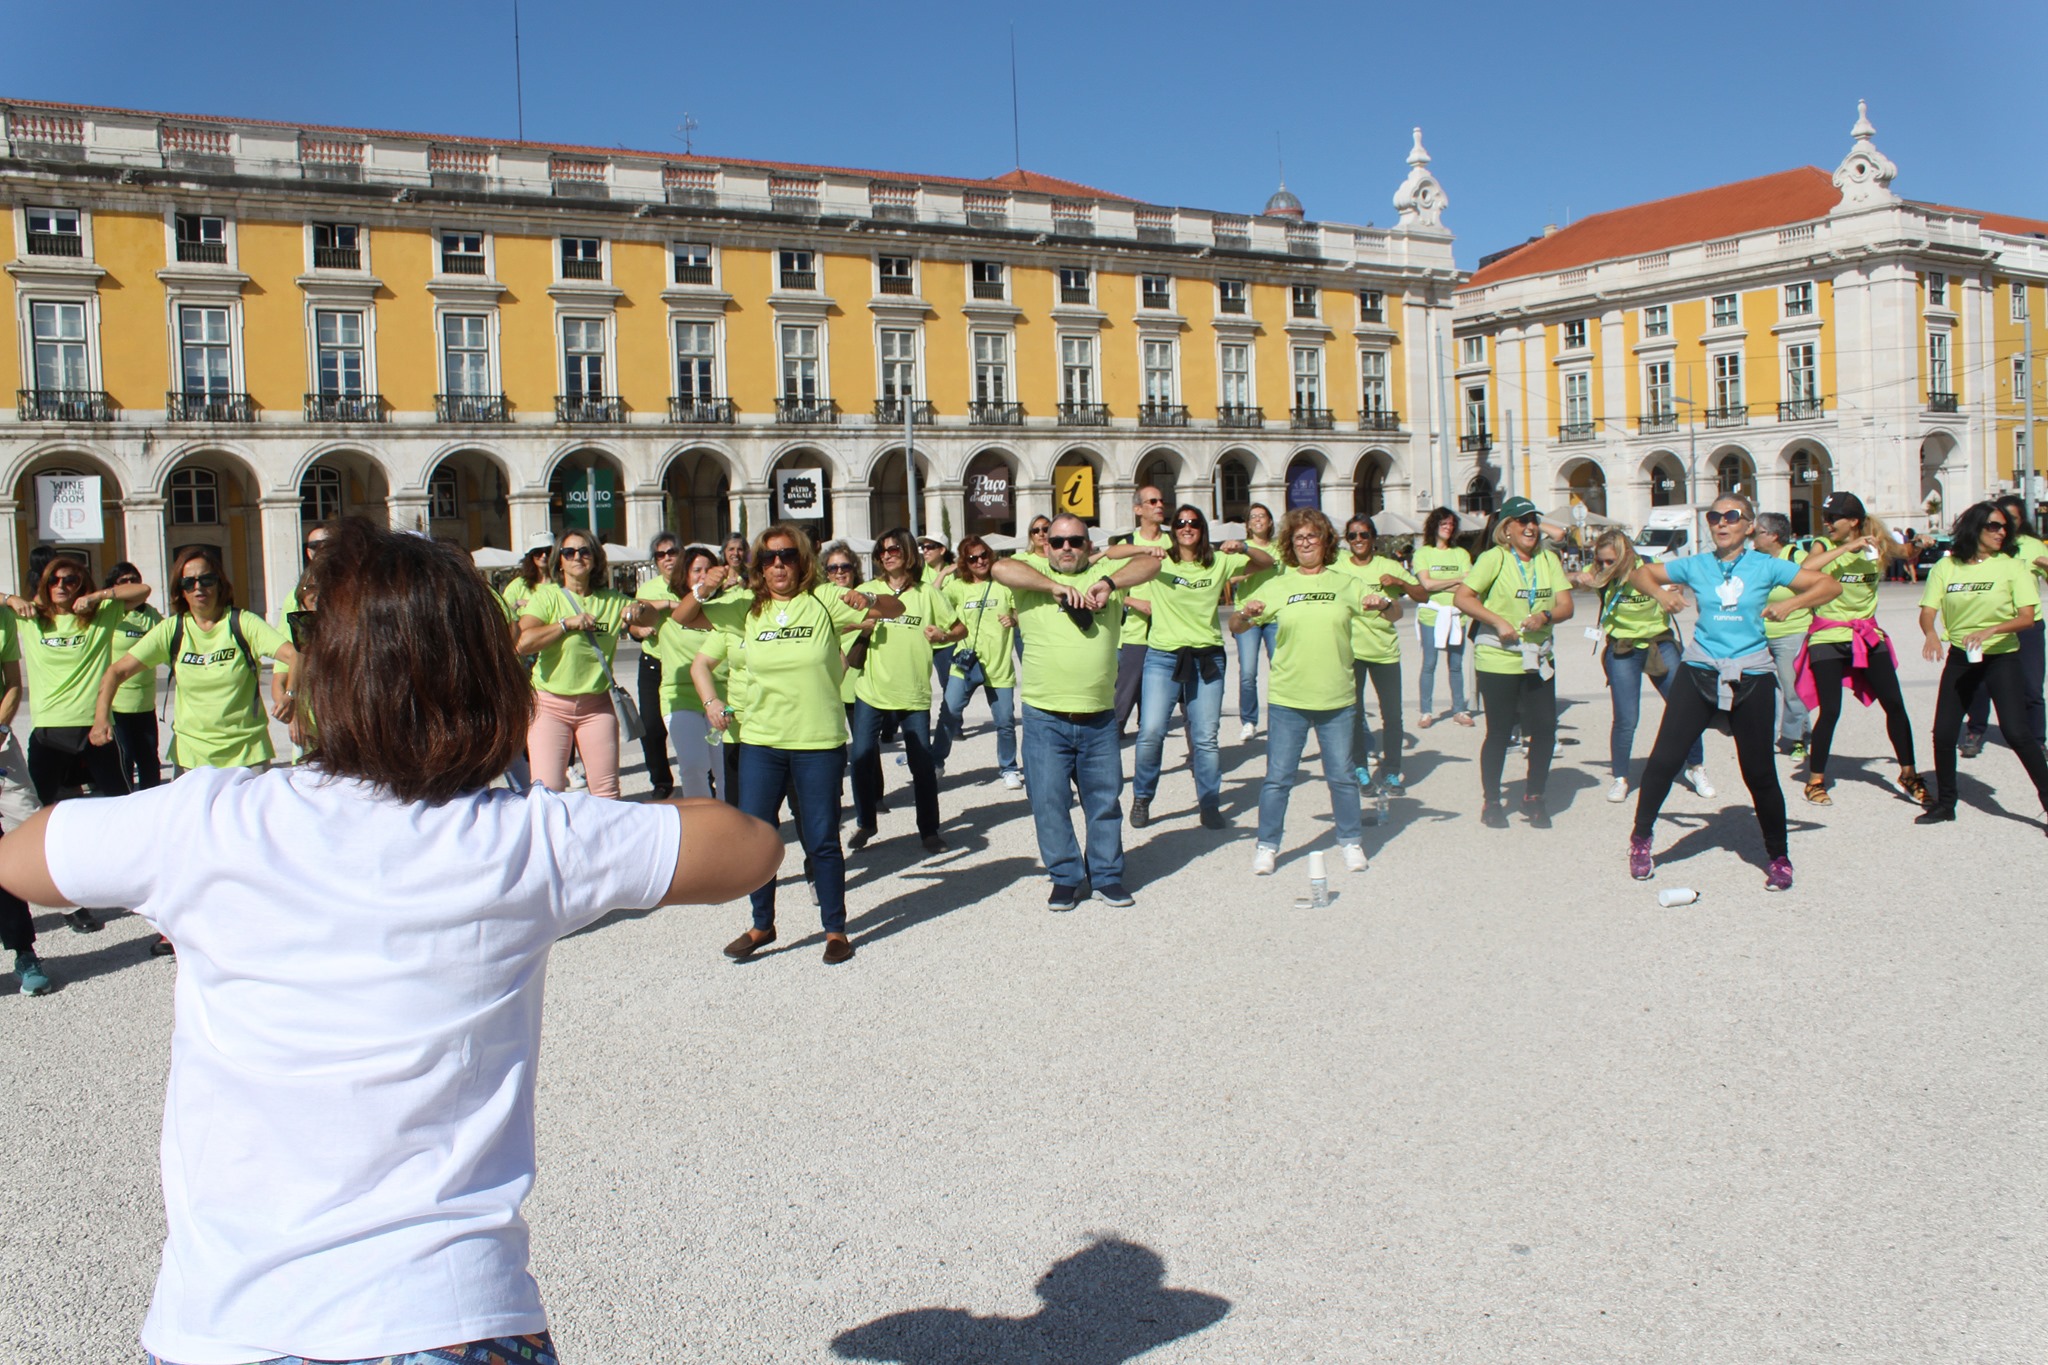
(1302, 300)
(899, 365)
(1657, 320)
(800, 372)
(338, 345)
(1657, 391)
(893, 275)
(337, 246)
(1237, 376)
(799, 269)
(1728, 382)
(696, 361)
(1159, 386)
(2019, 378)
(1077, 370)
(991, 367)
(2019, 301)
(1937, 362)
(1471, 351)
(1575, 335)
(205, 357)
(1937, 289)
(1799, 300)
(1074, 281)
(1372, 305)
(987, 277)
(466, 353)
(1155, 291)
(1475, 410)
(444, 496)
(1308, 378)
(1726, 311)
(1372, 381)
(693, 263)
(54, 221)
(462, 253)
(1802, 374)
(1230, 296)
(583, 357)
(582, 259)
(60, 345)
(54, 232)
(202, 238)
(1578, 401)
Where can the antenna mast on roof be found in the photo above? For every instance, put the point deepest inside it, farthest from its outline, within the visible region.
(688, 126)
(518, 82)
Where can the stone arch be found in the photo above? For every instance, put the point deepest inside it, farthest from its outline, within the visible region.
(1166, 469)
(989, 485)
(574, 477)
(1308, 477)
(232, 525)
(799, 455)
(469, 499)
(1236, 475)
(1938, 462)
(109, 549)
(345, 480)
(1481, 495)
(697, 483)
(1810, 470)
(1729, 469)
(1663, 476)
(1369, 479)
(1090, 511)
(1581, 482)
(891, 491)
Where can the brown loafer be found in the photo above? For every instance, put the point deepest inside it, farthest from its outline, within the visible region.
(746, 945)
(837, 950)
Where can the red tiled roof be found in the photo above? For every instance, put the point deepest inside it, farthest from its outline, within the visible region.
(1768, 201)
(1994, 222)
(1029, 181)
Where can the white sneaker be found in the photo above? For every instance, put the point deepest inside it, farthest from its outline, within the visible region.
(1245, 732)
(1014, 781)
(1618, 793)
(577, 781)
(1262, 861)
(1354, 857)
(1698, 778)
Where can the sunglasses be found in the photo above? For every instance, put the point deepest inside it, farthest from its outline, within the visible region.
(1994, 526)
(788, 554)
(1041, 529)
(1727, 518)
(66, 580)
(125, 580)
(1358, 535)
(576, 552)
(977, 559)
(206, 581)
(669, 553)
(1534, 519)
(1152, 502)
(889, 549)
(841, 568)
(1067, 542)
(1187, 526)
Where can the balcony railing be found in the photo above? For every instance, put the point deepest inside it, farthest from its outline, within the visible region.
(1379, 419)
(203, 253)
(1163, 415)
(589, 408)
(1367, 313)
(56, 244)
(344, 407)
(1801, 410)
(897, 284)
(704, 411)
(1574, 431)
(1155, 300)
(701, 274)
(337, 258)
(1477, 442)
(1229, 304)
(995, 414)
(1084, 414)
(1240, 417)
(1076, 294)
(889, 412)
(800, 279)
(470, 407)
(208, 407)
(1312, 419)
(1303, 308)
(1735, 415)
(806, 412)
(989, 289)
(1938, 401)
(577, 268)
(1476, 504)
(1657, 421)
(62, 405)
(461, 263)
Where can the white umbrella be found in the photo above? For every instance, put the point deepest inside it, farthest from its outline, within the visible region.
(860, 545)
(491, 557)
(620, 554)
(999, 542)
(1227, 530)
(1394, 524)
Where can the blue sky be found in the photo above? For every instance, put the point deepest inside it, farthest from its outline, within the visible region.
(1534, 113)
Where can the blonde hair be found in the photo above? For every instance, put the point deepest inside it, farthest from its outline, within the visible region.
(1294, 520)
(1617, 540)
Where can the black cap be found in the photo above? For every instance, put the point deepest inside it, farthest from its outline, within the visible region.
(1838, 506)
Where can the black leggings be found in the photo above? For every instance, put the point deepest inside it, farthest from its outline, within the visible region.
(654, 734)
(136, 737)
(1882, 678)
(17, 926)
(1386, 686)
(1689, 708)
(1510, 699)
(2033, 666)
(1964, 685)
(51, 769)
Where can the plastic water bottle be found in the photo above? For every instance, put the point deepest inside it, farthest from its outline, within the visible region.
(1677, 895)
(1318, 881)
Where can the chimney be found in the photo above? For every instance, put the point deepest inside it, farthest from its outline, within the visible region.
(1550, 229)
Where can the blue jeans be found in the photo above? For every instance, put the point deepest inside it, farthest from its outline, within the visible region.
(1062, 756)
(1625, 685)
(811, 779)
(1248, 668)
(942, 665)
(1793, 720)
(867, 764)
(533, 1350)
(959, 690)
(1286, 735)
(1456, 656)
(1203, 703)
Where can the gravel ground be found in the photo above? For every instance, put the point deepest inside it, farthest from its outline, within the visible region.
(1492, 1104)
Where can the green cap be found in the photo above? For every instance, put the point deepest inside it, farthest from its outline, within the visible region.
(1518, 507)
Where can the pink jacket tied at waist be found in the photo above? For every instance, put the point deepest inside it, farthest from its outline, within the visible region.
(1864, 636)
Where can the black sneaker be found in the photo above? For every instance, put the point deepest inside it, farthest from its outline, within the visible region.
(934, 844)
(1971, 744)
(1212, 818)
(1063, 898)
(1538, 813)
(1141, 814)
(860, 838)
(82, 922)
(1493, 815)
(1935, 815)
(1114, 894)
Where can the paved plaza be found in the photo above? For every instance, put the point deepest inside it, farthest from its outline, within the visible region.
(1492, 1104)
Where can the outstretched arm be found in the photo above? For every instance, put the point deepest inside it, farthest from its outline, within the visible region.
(723, 854)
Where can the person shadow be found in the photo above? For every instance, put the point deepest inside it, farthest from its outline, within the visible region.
(1105, 1304)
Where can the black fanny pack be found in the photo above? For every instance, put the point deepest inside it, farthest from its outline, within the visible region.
(65, 739)
(1205, 661)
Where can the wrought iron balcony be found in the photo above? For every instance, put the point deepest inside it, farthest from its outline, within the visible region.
(1076, 294)
(1372, 313)
(208, 407)
(799, 279)
(1230, 304)
(589, 408)
(337, 258)
(704, 411)
(1163, 415)
(1312, 419)
(1476, 443)
(889, 412)
(461, 263)
(897, 284)
(1084, 414)
(576, 268)
(806, 412)
(698, 274)
(1735, 415)
(1379, 419)
(62, 405)
(1304, 308)
(203, 253)
(988, 289)
(1937, 401)
(1574, 431)
(344, 407)
(1801, 410)
(995, 414)
(1657, 421)
(1240, 417)
(1155, 300)
(56, 244)
(470, 407)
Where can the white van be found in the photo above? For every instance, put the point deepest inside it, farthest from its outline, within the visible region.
(1669, 533)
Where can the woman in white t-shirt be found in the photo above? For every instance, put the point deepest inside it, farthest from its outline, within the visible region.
(349, 1121)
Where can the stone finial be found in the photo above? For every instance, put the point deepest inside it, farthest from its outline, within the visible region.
(1866, 174)
(1421, 199)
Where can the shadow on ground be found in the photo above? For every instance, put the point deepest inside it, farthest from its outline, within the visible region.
(1105, 1304)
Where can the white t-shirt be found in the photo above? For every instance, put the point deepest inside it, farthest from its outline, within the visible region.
(348, 1126)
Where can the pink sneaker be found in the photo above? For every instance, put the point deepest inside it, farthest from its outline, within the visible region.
(1642, 869)
(1778, 876)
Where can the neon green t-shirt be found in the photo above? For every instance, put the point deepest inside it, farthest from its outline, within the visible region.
(1312, 649)
(1799, 621)
(1373, 637)
(1184, 600)
(1065, 667)
(1512, 589)
(1626, 614)
(139, 692)
(1136, 627)
(2028, 550)
(570, 666)
(728, 653)
(898, 672)
(1439, 562)
(516, 593)
(677, 648)
(1974, 597)
(218, 720)
(64, 662)
(978, 606)
(1859, 574)
(1249, 582)
(793, 666)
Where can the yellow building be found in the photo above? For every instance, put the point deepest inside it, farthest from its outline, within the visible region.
(1781, 337)
(240, 327)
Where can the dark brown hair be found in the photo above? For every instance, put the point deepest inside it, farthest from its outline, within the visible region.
(407, 667)
(63, 559)
(600, 567)
(176, 595)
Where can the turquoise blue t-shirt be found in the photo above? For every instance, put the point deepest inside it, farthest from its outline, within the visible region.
(1729, 632)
